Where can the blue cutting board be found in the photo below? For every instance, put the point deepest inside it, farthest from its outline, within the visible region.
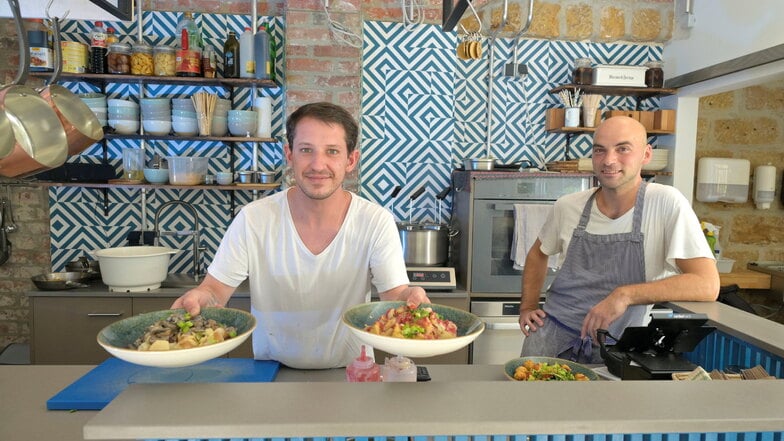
(97, 388)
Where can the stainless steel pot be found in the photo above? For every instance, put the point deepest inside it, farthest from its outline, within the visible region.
(485, 164)
(424, 244)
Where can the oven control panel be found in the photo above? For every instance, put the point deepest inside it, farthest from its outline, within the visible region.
(437, 278)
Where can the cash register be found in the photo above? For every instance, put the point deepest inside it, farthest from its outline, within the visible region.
(654, 352)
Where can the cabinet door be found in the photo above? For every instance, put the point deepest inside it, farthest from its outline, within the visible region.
(64, 329)
(245, 350)
(150, 304)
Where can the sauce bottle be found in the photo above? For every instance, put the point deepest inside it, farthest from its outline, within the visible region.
(399, 369)
(231, 55)
(363, 369)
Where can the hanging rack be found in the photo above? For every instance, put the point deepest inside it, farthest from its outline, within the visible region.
(490, 59)
(522, 31)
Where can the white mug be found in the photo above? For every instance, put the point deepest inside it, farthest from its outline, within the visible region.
(572, 117)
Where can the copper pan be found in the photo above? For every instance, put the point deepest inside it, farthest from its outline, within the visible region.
(82, 128)
(41, 142)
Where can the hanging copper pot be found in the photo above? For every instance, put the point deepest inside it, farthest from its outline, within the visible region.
(41, 142)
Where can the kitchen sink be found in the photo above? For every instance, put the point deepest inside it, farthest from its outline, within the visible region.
(181, 281)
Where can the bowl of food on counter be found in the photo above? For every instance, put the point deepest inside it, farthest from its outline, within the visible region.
(425, 331)
(173, 338)
(547, 369)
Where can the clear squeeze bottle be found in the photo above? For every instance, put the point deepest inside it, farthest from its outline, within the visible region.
(363, 369)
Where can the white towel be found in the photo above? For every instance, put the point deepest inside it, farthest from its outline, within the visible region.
(529, 219)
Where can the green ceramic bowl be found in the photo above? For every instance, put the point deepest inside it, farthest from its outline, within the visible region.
(469, 327)
(511, 365)
(117, 337)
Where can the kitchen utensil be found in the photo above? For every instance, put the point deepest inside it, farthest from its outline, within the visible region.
(82, 128)
(440, 198)
(84, 265)
(134, 269)
(41, 141)
(60, 281)
(117, 337)
(392, 197)
(411, 198)
(485, 164)
(5, 244)
(469, 327)
(133, 163)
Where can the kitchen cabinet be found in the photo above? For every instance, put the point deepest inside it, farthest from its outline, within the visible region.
(64, 328)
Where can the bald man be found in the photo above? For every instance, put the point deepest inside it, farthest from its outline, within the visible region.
(623, 247)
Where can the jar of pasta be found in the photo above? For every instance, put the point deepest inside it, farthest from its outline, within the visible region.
(118, 59)
(164, 61)
(141, 60)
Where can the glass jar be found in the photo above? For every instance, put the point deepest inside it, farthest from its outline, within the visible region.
(164, 61)
(141, 60)
(583, 72)
(654, 75)
(118, 59)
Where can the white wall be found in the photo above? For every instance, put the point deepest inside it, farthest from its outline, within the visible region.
(723, 30)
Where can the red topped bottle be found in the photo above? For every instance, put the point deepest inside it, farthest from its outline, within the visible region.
(363, 369)
(98, 48)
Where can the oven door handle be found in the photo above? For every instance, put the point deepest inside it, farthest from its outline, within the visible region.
(503, 326)
(503, 207)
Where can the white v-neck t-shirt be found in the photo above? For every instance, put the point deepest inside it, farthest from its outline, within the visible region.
(298, 298)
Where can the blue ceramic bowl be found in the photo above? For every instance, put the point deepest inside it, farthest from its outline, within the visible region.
(156, 175)
(117, 338)
(469, 327)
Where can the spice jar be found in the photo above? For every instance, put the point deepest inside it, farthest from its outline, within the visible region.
(654, 75)
(164, 61)
(583, 72)
(118, 59)
(141, 60)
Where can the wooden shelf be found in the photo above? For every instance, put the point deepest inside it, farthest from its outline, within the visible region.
(188, 138)
(232, 187)
(578, 130)
(196, 81)
(642, 92)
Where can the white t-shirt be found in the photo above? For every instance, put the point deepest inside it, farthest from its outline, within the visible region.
(298, 298)
(670, 227)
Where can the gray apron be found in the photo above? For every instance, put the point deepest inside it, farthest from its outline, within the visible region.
(594, 266)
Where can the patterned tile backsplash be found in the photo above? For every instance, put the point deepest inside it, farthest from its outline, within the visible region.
(422, 111)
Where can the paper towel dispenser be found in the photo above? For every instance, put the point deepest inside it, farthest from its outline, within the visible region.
(723, 180)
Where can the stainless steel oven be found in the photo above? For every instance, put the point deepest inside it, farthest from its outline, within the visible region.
(484, 217)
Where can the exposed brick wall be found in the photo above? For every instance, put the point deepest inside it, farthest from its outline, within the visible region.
(745, 124)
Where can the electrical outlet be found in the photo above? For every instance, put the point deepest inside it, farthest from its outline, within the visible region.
(512, 70)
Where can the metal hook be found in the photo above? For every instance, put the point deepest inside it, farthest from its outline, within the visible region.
(476, 15)
(49, 5)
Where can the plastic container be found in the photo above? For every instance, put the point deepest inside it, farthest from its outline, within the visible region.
(141, 60)
(723, 180)
(363, 369)
(399, 369)
(247, 62)
(261, 53)
(118, 60)
(187, 170)
(164, 61)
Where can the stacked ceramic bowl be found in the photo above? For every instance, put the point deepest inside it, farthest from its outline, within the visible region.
(220, 124)
(183, 117)
(97, 104)
(242, 122)
(123, 116)
(156, 116)
(658, 161)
